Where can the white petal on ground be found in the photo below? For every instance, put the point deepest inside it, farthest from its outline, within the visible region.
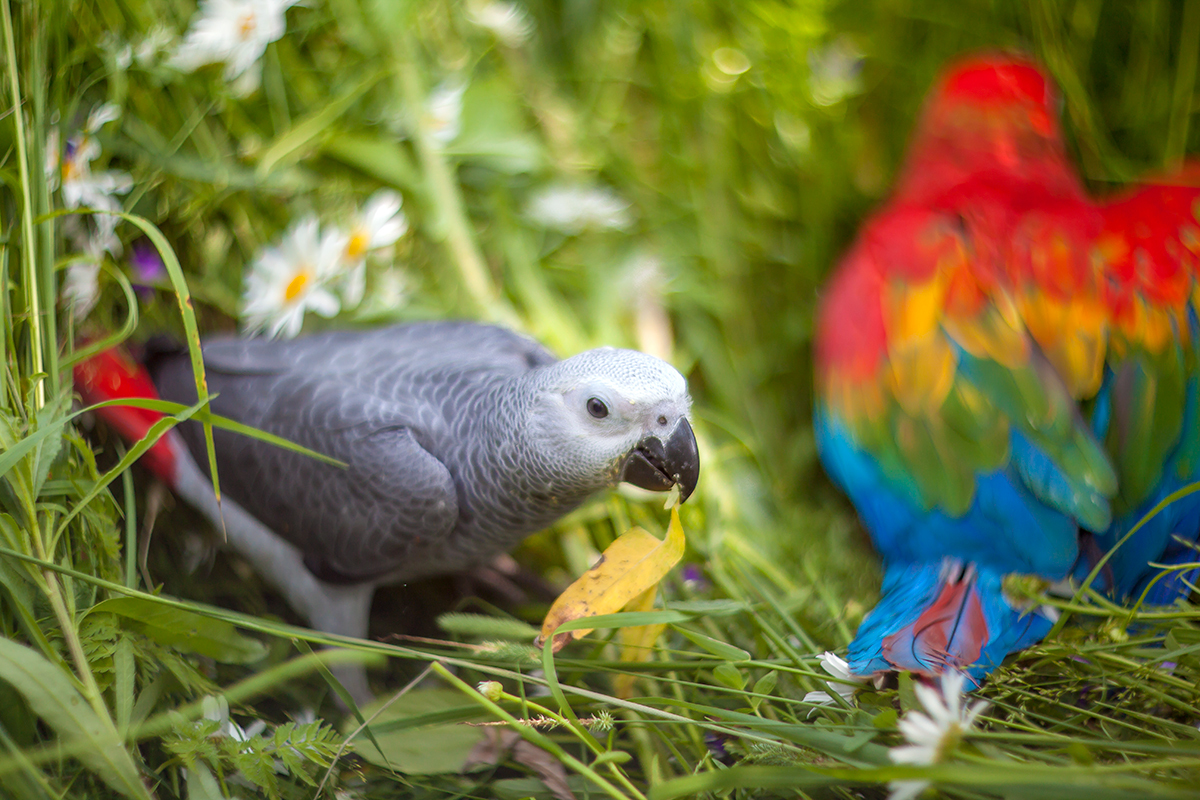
(839, 668)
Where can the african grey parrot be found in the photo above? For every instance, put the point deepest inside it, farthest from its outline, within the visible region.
(460, 440)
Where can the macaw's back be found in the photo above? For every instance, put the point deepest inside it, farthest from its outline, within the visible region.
(970, 400)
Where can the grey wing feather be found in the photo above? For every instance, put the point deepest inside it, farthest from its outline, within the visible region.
(412, 347)
(359, 397)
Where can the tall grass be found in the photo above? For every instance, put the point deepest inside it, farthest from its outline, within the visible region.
(746, 142)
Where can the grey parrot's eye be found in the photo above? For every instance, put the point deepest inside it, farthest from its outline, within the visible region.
(596, 408)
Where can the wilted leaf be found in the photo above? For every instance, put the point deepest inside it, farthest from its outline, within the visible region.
(636, 642)
(186, 630)
(631, 565)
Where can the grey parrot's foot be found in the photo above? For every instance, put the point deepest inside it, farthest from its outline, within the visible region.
(508, 580)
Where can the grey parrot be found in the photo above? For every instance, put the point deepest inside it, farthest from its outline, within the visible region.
(460, 440)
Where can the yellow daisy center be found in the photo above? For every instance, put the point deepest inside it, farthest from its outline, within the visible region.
(247, 25)
(296, 286)
(357, 245)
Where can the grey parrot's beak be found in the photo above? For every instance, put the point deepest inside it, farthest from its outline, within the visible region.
(658, 465)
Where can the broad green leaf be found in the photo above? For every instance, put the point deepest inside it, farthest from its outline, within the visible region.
(429, 749)
(714, 646)
(55, 699)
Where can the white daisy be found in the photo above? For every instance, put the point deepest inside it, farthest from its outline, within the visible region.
(81, 286)
(376, 227)
(292, 278)
(575, 208)
(839, 668)
(158, 41)
(936, 734)
(235, 32)
(508, 22)
(443, 111)
(72, 169)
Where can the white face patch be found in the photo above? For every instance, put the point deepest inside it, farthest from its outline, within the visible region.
(599, 404)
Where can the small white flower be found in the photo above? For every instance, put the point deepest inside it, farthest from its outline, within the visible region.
(288, 280)
(159, 40)
(235, 32)
(81, 286)
(443, 111)
(508, 22)
(82, 188)
(101, 115)
(72, 169)
(121, 52)
(934, 735)
(839, 668)
(376, 227)
(575, 208)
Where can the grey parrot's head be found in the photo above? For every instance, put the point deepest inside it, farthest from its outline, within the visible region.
(610, 415)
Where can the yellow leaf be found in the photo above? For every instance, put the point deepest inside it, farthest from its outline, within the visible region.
(632, 564)
(636, 642)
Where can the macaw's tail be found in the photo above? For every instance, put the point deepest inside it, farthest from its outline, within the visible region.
(113, 375)
(943, 615)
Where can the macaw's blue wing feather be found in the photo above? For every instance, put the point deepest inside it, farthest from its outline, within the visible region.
(1006, 527)
(942, 615)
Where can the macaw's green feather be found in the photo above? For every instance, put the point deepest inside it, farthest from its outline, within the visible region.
(1149, 394)
(975, 428)
(1059, 459)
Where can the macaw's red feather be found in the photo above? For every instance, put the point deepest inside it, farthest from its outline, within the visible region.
(951, 632)
(851, 335)
(112, 375)
(1149, 250)
(990, 122)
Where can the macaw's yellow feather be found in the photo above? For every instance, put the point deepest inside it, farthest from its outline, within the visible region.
(912, 312)
(1073, 333)
(1154, 326)
(991, 335)
(921, 374)
(854, 399)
